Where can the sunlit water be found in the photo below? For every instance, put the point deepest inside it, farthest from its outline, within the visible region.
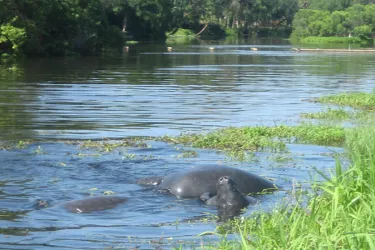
(151, 92)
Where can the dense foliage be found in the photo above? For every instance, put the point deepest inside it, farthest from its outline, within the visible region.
(60, 27)
(335, 18)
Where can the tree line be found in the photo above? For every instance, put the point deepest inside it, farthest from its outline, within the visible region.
(339, 18)
(60, 27)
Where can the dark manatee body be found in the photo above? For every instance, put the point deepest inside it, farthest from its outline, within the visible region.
(228, 196)
(228, 200)
(196, 181)
(92, 204)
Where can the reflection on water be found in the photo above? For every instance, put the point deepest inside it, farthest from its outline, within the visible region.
(149, 92)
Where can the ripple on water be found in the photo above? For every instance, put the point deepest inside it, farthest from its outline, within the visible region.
(151, 93)
(148, 216)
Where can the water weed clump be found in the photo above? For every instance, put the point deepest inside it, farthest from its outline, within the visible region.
(238, 141)
(330, 114)
(11, 145)
(340, 214)
(339, 115)
(359, 100)
(108, 145)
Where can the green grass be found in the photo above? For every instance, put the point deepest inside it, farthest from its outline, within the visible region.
(360, 100)
(231, 32)
(333, 39)
(340, 214)
(182, 32)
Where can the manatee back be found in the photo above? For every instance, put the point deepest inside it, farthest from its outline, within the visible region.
(248, 182)
(91, 204)
(150, 181)
(196, 181)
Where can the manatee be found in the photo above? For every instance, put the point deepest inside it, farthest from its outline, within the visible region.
(228, 200)
(92, 204)
(194, 182)
(227, 195)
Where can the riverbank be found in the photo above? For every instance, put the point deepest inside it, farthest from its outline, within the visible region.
(338, 214)
(334, 50)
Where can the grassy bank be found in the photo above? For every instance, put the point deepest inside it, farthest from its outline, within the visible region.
(333, 40)
(338, 214)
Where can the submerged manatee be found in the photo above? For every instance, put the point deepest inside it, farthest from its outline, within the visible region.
(91, 204)
(228, 196)
(199, 180)
(228, 200)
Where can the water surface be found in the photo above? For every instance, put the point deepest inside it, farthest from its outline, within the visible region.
(151, 92)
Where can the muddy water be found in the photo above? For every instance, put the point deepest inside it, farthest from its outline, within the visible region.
(150, 92)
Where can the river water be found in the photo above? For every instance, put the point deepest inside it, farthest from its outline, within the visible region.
(148, 91)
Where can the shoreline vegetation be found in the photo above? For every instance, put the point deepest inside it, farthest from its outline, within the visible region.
(332, 39)
(71, 28)
(337, 214)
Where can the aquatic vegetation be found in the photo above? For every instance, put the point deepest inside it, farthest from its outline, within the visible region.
(188, 154)
(92, 191)
(22, 144)
(86, 155)
(339, 214)
(129, 156)
(342, 115)
(332, 114)
(237, 141)
(11, 215)
(9, 145)
(14, 231)
(39, 150)
(107, 145)
(109, 192)
(361, 100)
(280, 158)
(245, 156)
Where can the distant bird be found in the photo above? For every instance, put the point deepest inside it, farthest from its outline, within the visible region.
(254, 49)
(211, 48)
(169, 49)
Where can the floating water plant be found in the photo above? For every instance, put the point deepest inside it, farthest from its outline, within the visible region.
(331, 114)
(360, 100)
(188, 154)
(107, 145)
(236, 141)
